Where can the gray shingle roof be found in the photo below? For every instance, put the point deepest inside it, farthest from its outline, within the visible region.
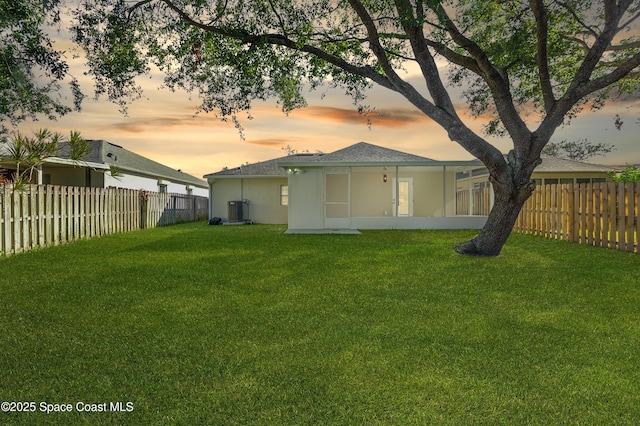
(263, 168)
(552, 164)
(360, 153)
(104, 152)
(363, 152)
(366, 154)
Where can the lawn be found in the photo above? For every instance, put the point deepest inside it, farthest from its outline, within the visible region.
(195, 324)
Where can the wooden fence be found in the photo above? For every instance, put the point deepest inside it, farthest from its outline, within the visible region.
(599, 214)
(44, 215)
(477, 202)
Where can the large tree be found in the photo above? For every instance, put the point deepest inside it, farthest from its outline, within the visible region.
(536, 60)
(31, 68)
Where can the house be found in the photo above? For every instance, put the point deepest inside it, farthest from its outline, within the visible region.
(552, 170)
(362, 186)
(110, 165)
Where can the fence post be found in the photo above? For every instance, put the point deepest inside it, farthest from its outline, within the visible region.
(621, 217)
(144, 201)
(568, 193)
(629, 221)
(636, 196)
(16, 221)
(6, 218)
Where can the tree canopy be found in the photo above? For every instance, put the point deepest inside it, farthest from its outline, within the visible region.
(31, 69)
(531, 65)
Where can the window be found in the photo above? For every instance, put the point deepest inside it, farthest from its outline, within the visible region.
(479, 172)
(162, 189)
(583, 180)
(567, 180)
(551, 181)
(284, 195)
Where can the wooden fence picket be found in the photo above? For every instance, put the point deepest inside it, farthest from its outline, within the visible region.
(5, 219)
(599, 214)
(44, 215)
(630, 202)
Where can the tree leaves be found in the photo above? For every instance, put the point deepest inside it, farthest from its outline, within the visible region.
(31, 69)
(231, 52)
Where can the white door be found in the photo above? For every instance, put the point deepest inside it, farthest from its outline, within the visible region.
(403, 197)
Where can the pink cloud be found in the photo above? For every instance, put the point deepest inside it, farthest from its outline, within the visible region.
(387, 117)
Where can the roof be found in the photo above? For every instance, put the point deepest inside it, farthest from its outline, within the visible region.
(263, 168)
(363, 152)
(107, 153)
(553, 164)
(360, 154)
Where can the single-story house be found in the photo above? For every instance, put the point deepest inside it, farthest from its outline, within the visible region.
(552, 170)
(110, 165)
(362, 186)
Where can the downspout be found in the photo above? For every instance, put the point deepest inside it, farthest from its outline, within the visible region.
(211, 198)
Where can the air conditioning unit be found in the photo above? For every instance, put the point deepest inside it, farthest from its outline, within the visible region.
(235, 211)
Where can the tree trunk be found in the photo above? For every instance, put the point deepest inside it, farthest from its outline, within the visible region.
(508, 202)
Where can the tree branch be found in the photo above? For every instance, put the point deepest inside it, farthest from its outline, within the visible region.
(495, 78)
(613, 14)
(136, 6)
(572, 96)
(278, 39)
(273, 8)
(630, 20)
(428, 67)
(577, 18)
(542, 36)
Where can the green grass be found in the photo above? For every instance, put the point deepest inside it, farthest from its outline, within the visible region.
(197, 324)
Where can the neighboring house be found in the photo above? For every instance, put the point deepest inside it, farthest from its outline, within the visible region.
(362, 186)
(551, 171)
(109, 165)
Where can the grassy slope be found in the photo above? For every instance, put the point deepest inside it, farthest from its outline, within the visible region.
(245, 325)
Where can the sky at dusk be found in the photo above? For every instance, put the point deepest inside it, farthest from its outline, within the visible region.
(164, 127)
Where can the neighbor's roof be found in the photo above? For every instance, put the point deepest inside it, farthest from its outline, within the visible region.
(103, 152)
(557, 165)
(561, 165)
(360, 154)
